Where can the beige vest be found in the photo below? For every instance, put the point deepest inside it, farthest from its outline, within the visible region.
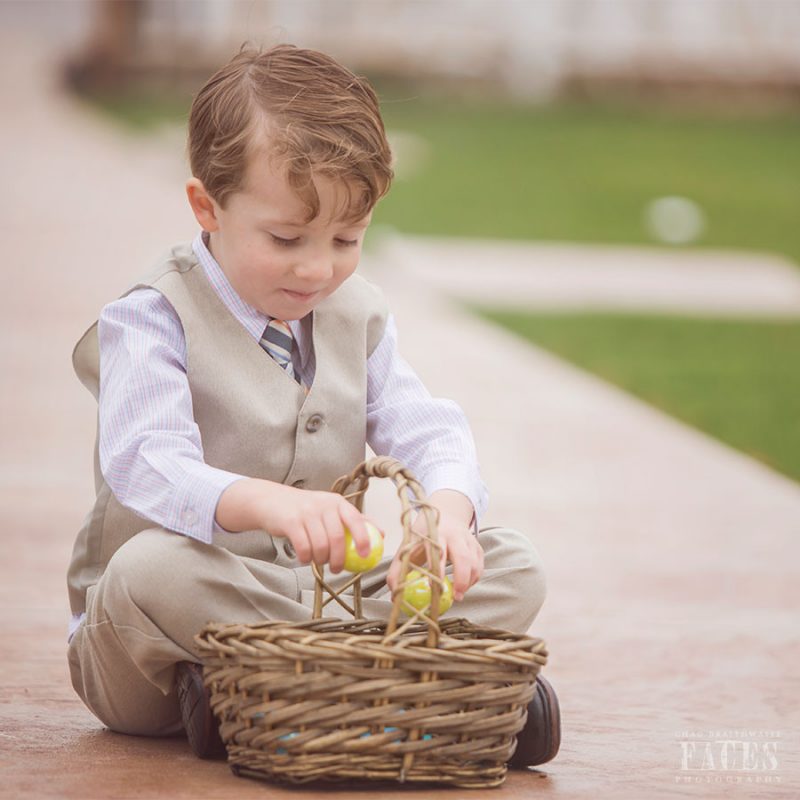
(254, 419)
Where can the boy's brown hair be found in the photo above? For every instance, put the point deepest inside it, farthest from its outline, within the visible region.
(314, 115)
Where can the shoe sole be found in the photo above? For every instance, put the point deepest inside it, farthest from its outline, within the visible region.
(205, 743)
(552, 722)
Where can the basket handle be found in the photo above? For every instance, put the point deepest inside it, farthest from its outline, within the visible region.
(412, 499)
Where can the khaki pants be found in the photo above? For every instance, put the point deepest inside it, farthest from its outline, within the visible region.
(160, 588)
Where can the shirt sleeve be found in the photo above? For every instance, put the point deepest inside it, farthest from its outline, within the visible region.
(150, 449)
(430, 436)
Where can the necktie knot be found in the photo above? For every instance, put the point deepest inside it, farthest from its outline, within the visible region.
(277, 340)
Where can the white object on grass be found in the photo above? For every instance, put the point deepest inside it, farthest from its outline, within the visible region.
(675, 220)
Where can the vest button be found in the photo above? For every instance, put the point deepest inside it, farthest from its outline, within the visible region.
(299, 484)
(289, 549)
(314, 423)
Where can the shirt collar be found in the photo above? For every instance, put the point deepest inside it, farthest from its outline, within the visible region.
(251, 318)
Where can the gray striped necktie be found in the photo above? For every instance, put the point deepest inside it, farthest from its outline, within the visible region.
(277, 341)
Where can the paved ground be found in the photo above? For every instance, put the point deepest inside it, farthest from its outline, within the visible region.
(671, 559)
(573, 276)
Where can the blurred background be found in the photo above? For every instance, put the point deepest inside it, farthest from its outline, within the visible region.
(616, 180)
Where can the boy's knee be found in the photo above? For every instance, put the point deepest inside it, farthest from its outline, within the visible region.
(148, 562)
(513, 553)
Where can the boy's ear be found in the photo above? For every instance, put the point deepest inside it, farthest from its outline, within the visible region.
(203, 205)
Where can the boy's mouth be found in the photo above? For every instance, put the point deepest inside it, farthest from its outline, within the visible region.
(301, 296)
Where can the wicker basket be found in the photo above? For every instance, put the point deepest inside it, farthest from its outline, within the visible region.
(400, 699)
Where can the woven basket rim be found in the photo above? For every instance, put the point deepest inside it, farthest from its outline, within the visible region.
(455, 629)
(288, 642)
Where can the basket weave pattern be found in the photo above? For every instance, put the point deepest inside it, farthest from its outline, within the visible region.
(423, 701)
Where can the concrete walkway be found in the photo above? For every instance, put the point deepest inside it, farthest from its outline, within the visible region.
(572, 276)
(671, 559)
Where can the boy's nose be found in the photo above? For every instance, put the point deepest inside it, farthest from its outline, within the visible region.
(314, 269)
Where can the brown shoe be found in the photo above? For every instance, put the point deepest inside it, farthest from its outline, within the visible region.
(198, 719)
(539, 740)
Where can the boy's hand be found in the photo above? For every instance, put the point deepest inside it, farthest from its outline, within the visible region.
(459, 545)
(312, 521)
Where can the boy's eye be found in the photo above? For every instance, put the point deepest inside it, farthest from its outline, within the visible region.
(284, 242)
(280, 240)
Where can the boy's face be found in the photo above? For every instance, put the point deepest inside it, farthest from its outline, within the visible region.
(274, 260)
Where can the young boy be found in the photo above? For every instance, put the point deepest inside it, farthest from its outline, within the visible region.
(235, 383)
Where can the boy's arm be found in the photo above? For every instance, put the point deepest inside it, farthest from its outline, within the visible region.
(313, 521)
(459, 546)
(432, 437)
(150, 450)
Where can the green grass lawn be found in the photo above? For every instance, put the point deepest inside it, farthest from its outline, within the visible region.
(586, 172)
(735, 379)
(142, 110)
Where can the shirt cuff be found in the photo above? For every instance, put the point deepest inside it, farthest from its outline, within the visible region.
(460, 479)
(197, 497)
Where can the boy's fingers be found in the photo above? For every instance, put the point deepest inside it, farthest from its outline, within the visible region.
(462, 568)
(479, 561)
(474, 575)
(418, 555)
(318, 539)
(301, 545)
(354, 520)
(391, 576)
(476, 562)
(443, 556)
(335, 533)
